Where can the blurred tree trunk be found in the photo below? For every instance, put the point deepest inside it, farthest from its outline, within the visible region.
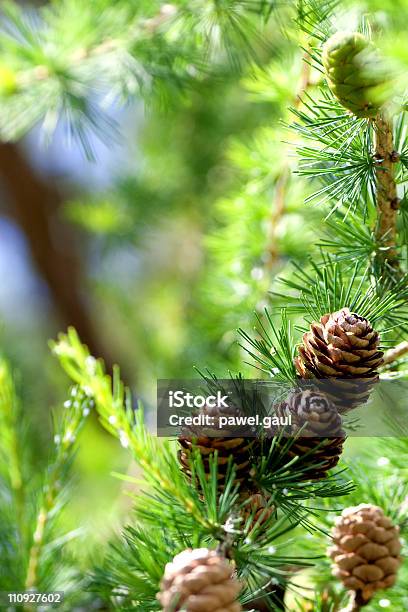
(35, 204)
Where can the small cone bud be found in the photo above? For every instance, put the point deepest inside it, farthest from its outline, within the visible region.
(355, 73)
(258, 510)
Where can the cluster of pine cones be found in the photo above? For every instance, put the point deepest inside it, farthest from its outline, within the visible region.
(340, 354)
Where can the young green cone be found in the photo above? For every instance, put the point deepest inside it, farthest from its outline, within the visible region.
(355, 73)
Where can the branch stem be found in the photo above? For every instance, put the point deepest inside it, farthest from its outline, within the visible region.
(387, 200)
(50, 492)
(395, 353)
(35, 552)
(356, 603)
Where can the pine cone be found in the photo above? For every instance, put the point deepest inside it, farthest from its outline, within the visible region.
(366, 550)
(343, 346)
(206, 440)
(316, 429)
(355, 73)
(199, 580)
(258, 508)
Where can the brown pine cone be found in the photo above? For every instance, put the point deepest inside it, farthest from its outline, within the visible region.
(316, 429)
(342, 348)
(258, 508)
(199, 580)
(207, 440)
(311, 413)
(366, 550)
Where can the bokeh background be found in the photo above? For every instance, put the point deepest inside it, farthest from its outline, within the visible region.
(160, 247)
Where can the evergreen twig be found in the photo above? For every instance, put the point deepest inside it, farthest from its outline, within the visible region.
(75, 413)
(11, 439)
(106, 56)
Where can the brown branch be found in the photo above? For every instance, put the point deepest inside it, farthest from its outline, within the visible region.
(395, 353)
(277, 212)
(387, 200)
(35, 203)
(387, 207)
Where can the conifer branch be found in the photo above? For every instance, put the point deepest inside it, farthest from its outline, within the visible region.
(35, 552)
(116, 56)
(11, 440)
(386, 192)
(76, 411)
(118, 416)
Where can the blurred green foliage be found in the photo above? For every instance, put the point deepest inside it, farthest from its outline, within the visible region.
(183, 248)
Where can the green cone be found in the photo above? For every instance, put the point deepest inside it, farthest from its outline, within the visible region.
(356, 73)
